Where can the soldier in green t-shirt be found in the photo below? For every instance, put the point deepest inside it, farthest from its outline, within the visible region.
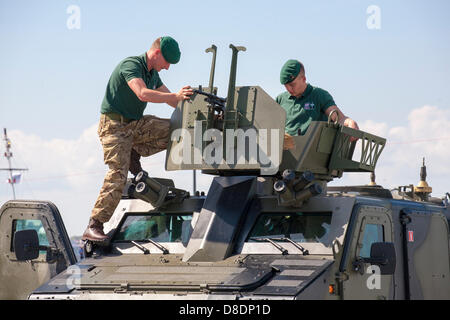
(125, 133)
(304, 103)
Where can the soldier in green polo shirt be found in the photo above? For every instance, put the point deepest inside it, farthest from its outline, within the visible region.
(304, 103)
(125, 133)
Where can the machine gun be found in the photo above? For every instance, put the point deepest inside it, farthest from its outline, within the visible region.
(216, 103)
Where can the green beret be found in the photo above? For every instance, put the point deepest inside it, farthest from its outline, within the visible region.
(170, 50)
(290, 71)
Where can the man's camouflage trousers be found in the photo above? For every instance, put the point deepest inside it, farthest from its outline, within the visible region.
(146, 136)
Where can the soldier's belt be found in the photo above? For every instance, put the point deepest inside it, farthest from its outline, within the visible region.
(117, 117)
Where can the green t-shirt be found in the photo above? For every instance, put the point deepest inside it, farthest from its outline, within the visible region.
(119, 97)
(310, 106)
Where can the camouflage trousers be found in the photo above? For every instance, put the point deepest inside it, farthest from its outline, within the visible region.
(146, 136)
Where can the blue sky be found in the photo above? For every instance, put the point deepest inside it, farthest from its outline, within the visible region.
(53, 79)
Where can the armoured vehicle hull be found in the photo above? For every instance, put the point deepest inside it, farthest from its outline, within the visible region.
(213, 252)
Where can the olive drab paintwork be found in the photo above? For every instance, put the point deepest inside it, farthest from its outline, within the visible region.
(19, 278)
(255, 234)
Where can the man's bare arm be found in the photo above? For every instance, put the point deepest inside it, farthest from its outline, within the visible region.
(161, 95)
(164, 89)
(343, 120)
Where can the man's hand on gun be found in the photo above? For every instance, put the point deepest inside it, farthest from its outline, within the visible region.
(184, 93)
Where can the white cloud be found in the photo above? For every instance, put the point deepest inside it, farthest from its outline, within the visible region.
(376, 128)
(72, 160)
(426, 134)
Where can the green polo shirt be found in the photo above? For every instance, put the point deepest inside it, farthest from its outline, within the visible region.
(119, 97)
(310, 106)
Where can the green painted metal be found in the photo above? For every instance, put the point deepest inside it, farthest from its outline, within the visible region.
(326, 151)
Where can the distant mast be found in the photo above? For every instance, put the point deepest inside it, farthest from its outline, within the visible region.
(8, 154)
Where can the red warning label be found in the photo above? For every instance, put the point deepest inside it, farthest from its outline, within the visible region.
(411, 236)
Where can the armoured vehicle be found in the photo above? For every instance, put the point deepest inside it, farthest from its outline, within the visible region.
(268, 228)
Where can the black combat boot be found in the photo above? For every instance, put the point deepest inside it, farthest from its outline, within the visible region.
(135, 164)
(94, 231)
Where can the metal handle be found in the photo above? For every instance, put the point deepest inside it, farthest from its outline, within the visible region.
(337, 116)
(232, 82)
(212, 49)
